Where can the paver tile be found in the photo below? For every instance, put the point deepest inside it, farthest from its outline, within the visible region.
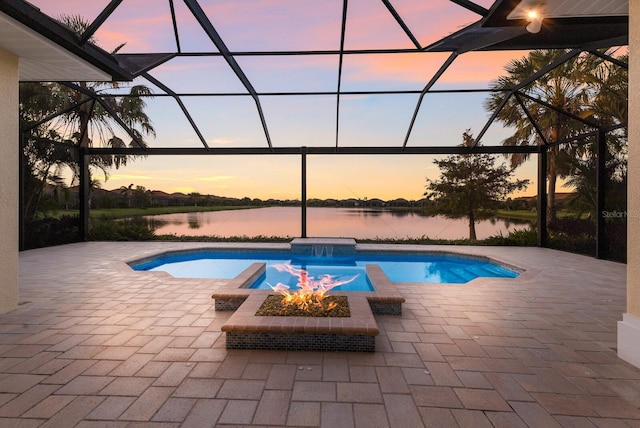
(471, 418)
(614, 407)
(273, 408)
(174, 374)
(74, 412)
(19, 383)
(174, 354)
(362, 374)
(85, 385)
(126, 386)
(232, 367)
(508, 386)
(482, 399)
(359, 392)
(314, 391)
(25, 401)
(391, 380)
(417, 376)
(257, 371)
(204, 414)
(402, 411)
(198, 388)
(370, 415)
(147, 404)
(435, 396)
(241, 389)
(69, 372)
(174, 410)
(505, 420)
(473, 379)
(204, 370)
(442, 374)
(546, 380)
(48, 407)
(111, 408)
(304, 414)
(131, 365)
(281, 377)
(582, 422)
(534, 415)
(337, 415)
(238, 412)
(335, 370)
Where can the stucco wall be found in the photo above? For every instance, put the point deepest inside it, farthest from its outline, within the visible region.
(633, 205)
(8, 181)
(629, 327)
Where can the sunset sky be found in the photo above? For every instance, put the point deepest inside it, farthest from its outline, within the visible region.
(365, 120)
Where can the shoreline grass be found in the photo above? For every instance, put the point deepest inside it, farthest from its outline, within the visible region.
(117, 213)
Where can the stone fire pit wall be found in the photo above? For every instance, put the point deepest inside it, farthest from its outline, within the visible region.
(245, 330)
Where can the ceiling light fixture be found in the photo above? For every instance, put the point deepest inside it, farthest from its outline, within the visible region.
(535, 21)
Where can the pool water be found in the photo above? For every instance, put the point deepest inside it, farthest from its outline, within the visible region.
(399, 267)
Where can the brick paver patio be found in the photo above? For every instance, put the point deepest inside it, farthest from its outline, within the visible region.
(93, 344)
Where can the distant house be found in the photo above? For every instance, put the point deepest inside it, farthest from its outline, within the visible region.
(399, 202)
(561, 199)
(374, 202)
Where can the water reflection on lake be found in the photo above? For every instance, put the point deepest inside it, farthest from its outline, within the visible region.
(325, 222)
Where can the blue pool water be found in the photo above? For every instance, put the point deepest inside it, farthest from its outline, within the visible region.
(399, 267)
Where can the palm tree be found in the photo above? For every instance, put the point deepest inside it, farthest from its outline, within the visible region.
(609, 109)
(568, 87)
(91, 124)
(610, 105)
(127, 192)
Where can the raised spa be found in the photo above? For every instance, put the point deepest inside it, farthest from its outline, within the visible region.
(399, 267)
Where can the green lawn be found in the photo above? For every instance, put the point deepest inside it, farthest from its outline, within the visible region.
(137, 212)
(530, 215)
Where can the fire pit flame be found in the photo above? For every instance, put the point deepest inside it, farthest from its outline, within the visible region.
(310, 291)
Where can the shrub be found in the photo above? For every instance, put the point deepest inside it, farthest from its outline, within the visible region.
(574, 235)
(521, 238)
(51, 231)
(130, 229)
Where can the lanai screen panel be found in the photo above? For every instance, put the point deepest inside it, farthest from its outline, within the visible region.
(338, 73)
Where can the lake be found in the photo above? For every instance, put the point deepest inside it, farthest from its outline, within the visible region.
(359, 223)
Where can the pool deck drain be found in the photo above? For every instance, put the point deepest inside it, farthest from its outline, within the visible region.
(245, 330)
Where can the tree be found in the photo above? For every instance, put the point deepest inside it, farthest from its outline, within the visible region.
(51, 146)
(127, 192)
(610, 105)
(608, 108)
(569, 87)
(470, 186)
(44, 165)
(142, 197)
(195, 198)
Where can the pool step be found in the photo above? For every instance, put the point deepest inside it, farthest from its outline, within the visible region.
(465, 274)
(460, 276)
(323, 246)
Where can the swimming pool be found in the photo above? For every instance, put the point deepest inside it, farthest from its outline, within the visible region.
(399, 267)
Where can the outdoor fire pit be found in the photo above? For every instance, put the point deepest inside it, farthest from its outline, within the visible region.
(305, 318)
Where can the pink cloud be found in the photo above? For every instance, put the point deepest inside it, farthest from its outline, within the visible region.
(480, 67)
(476, 68)
(277, 24)
(282, 25)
